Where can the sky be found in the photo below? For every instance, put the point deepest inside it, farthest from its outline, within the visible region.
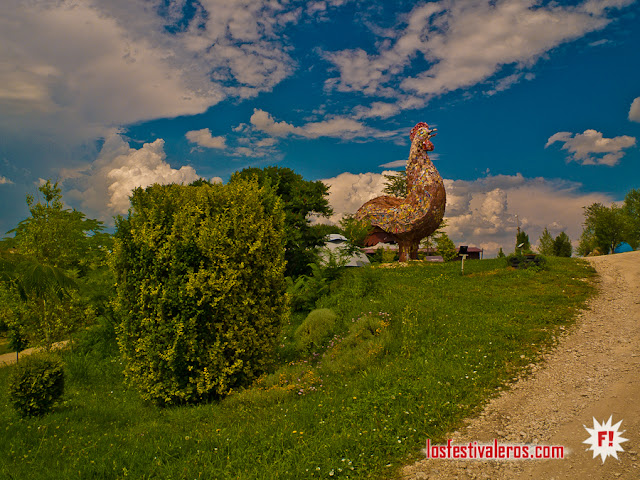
(537, 103)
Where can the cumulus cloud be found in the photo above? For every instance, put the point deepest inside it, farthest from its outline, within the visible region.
(591, 148)
(203, 138)
(463, 44)
(80, 69)
(348, 191)
(336, 127)
(634, 111)
(69, 68)
(5, 181)
(105, 187)
(483, 212)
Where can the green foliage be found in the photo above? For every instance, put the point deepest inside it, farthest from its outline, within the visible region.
(325, 229)
(533, 262)
(301, 199)
(604, 228)
(49, 264)
(546, 243)
(562, 246)
(389, 255)
(396, 185)
(501, 253)
(35, 385)
(60, 237)
(631, 210)
(446, 248)
(355, 230)
(12, 315)
(315, 329)
(200, 288)
(376, 256)
(305, 290)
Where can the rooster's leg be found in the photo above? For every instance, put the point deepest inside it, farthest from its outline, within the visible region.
(413, 250)
(403, 250)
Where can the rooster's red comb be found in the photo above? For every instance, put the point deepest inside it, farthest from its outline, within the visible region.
(415, 129)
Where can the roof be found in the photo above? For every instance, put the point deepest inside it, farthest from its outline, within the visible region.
(336, 238)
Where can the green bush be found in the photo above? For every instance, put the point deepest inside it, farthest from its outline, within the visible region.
(315, 329)
(527, 261)
(389, 255)
(200, 288)
(35, 385)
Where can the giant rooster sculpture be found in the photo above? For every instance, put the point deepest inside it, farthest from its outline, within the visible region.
(419, 214)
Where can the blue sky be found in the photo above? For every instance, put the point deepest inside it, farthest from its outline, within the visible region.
(537, 104)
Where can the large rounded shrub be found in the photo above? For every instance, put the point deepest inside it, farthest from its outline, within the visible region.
(200, 288)
(36, 384)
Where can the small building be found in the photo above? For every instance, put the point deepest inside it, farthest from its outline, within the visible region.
(473, 253)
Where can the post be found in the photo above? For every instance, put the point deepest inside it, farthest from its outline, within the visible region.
(463, 257)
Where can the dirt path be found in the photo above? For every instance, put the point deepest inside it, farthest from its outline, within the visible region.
(9, 358)
(593, 372)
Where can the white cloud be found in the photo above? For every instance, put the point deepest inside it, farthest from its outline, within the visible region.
(464, 43)
(336, 127)
(394, 164)
(203, 138)
(71, 69)
(5, 181)
(482, 212)
(591, 148)
(104, 189)
(348, 191)
(402, 163)
(634, 111)
(76, 70)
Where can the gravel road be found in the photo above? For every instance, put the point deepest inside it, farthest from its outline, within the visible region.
(593, 372)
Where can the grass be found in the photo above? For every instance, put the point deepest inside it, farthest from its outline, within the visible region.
(417, 349)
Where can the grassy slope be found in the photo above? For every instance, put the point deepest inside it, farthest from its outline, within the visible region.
(360, 411)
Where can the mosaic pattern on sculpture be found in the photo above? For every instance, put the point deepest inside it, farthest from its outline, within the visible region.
(422, 181)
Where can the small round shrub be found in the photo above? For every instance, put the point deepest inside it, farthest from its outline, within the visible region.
(35, 385)
(315, 329)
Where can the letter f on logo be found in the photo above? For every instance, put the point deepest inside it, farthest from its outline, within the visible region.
(601, 437)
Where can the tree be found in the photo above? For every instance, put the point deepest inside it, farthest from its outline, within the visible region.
(49, 258)
(446, 248)
(604, 228)
(562, 246)
(631, 210)
(60, 237)
(200, 288)
(545, 243)
(523, 239)
(301, 199)
(501, 253)
(396, 185)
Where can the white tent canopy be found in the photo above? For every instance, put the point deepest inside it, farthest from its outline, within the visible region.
(337, 247)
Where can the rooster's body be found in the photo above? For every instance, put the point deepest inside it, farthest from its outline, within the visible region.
(420, 213)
